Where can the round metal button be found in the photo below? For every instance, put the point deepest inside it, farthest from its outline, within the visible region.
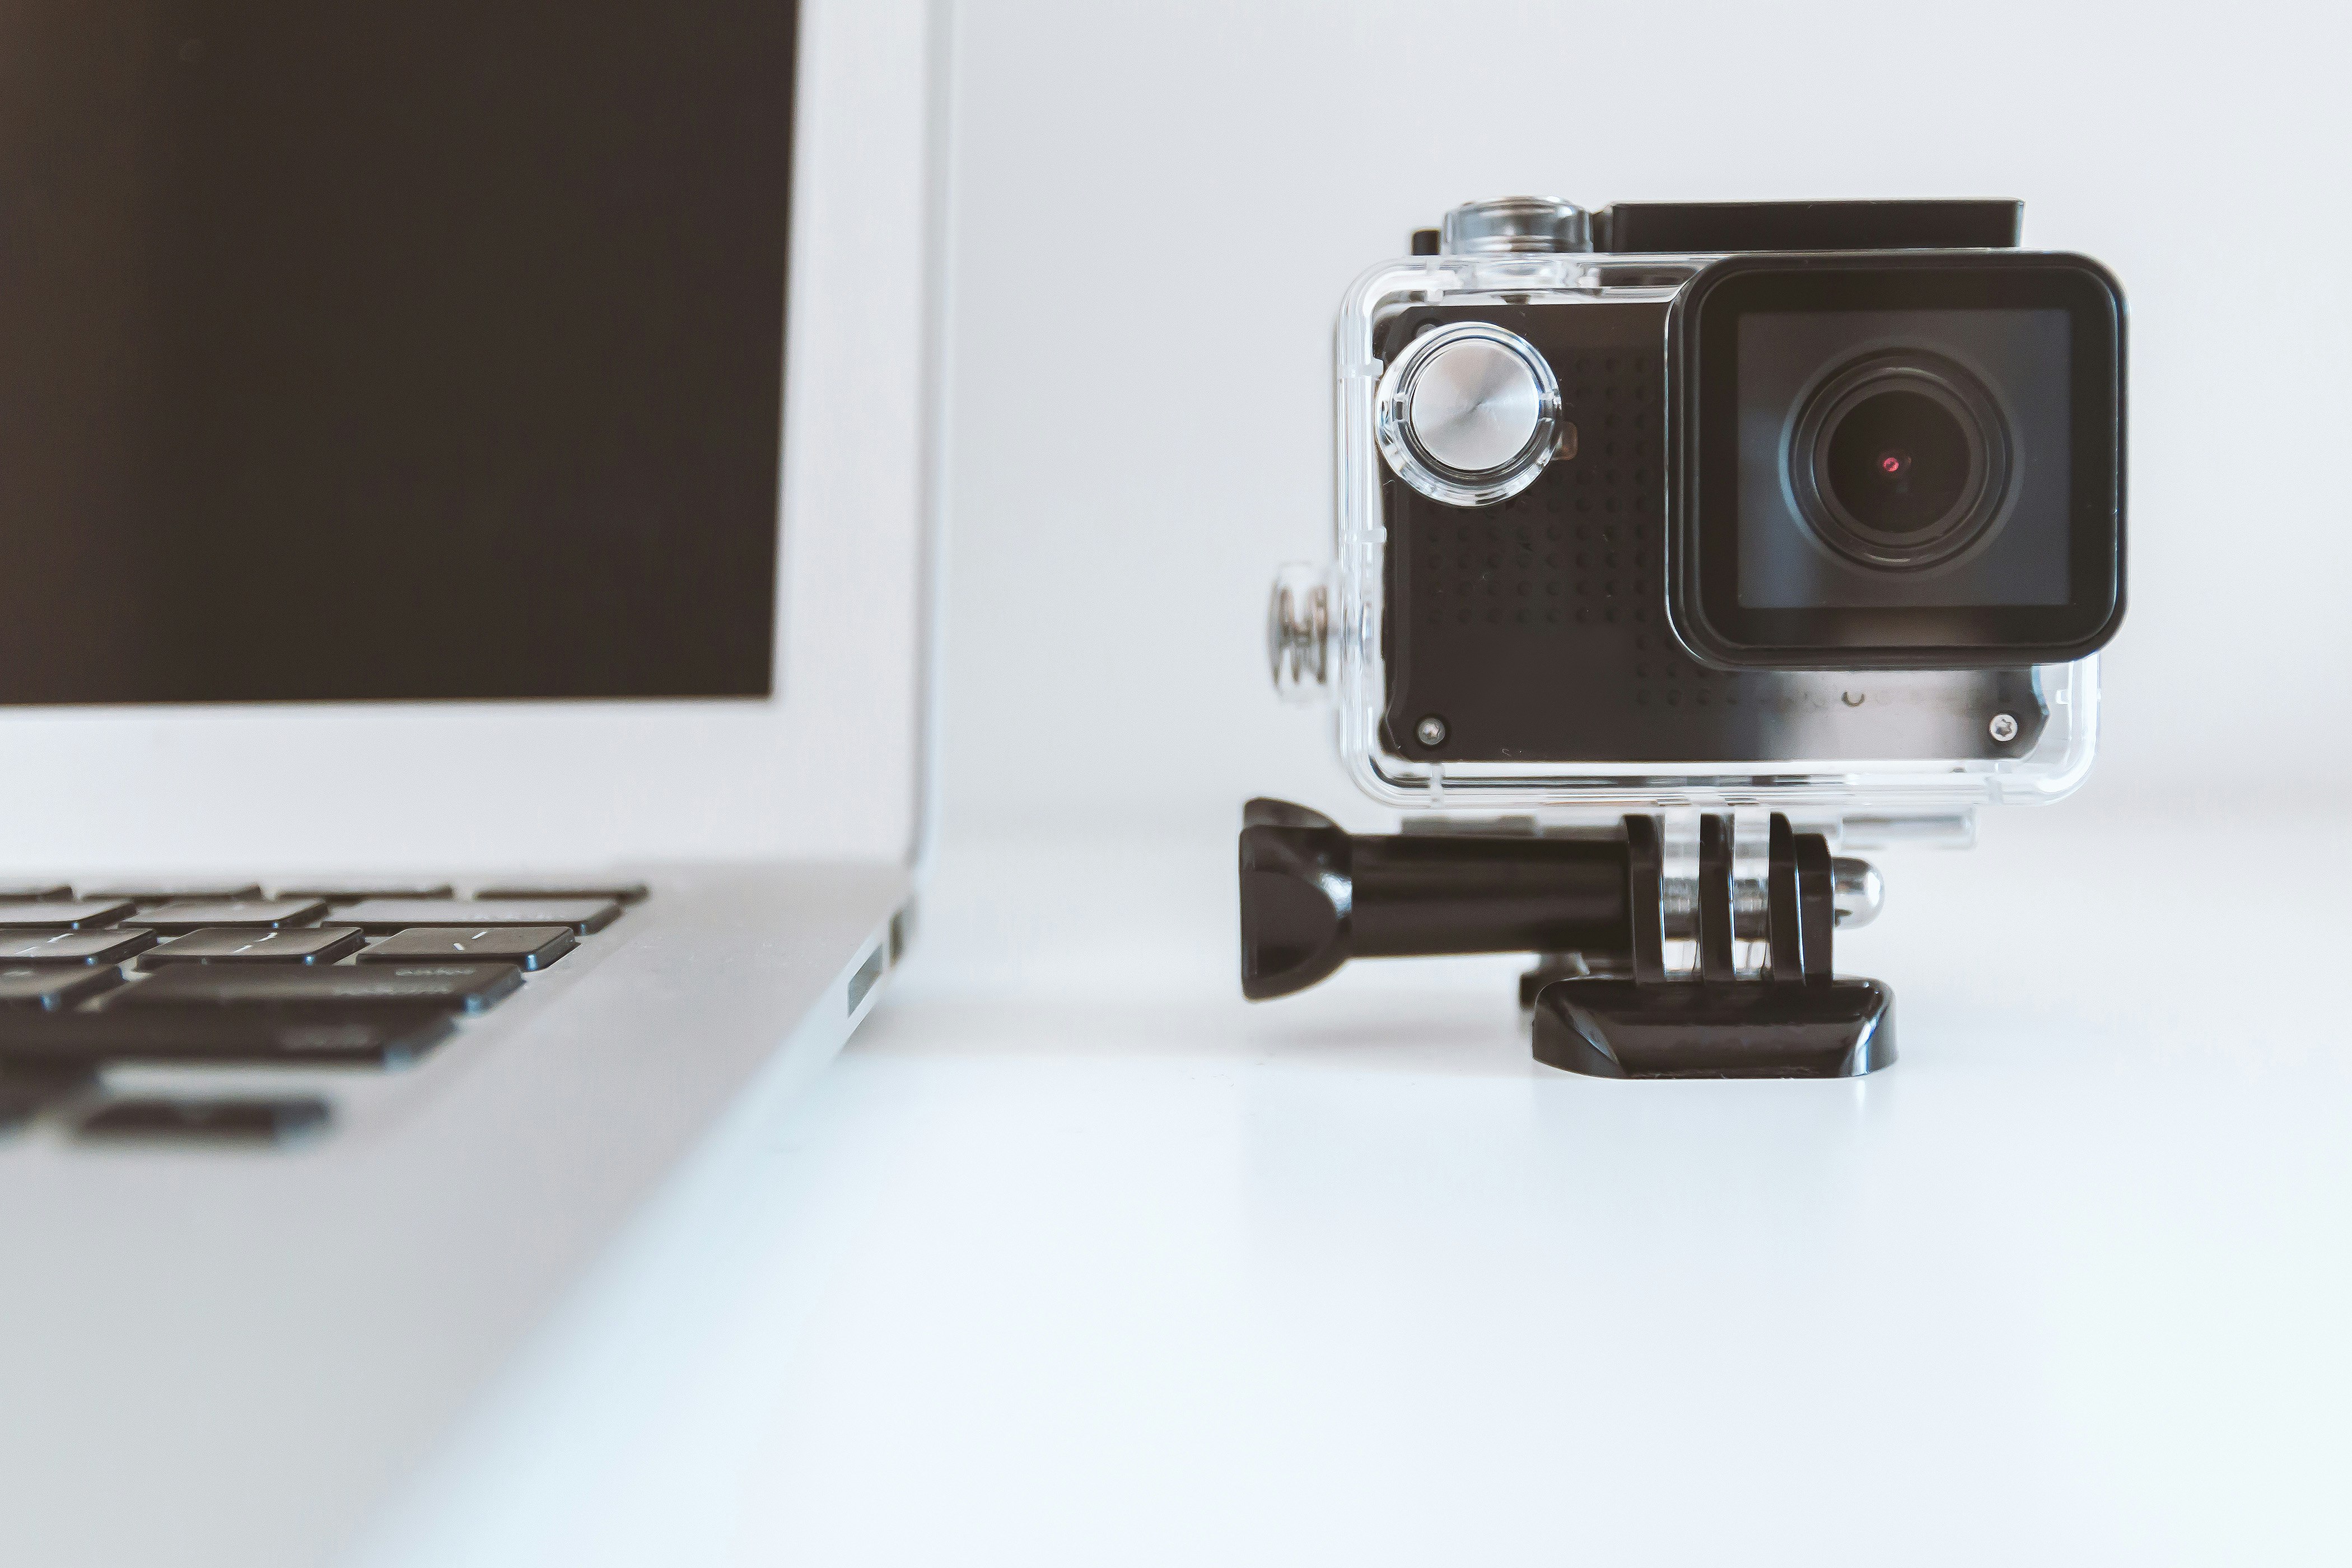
(1472, 407)
(1467, 413)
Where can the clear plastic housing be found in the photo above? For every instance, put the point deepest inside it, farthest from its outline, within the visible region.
(1818, 788)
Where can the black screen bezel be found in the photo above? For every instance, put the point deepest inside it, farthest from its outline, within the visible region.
(1704, 364)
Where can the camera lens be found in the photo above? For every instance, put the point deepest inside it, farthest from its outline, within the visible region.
(1900, 460)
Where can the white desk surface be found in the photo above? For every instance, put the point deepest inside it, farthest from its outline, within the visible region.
(1074, 1258)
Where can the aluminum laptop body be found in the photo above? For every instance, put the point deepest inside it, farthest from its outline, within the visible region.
(466, 475)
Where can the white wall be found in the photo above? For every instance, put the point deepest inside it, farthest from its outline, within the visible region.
(1158, 207)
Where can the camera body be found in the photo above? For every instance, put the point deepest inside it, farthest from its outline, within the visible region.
(1816, 506)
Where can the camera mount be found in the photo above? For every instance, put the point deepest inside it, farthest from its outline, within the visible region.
(1606, 911)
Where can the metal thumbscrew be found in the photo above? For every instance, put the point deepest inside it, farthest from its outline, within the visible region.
(1430, 732)
(2004, 727)
(1298, 640)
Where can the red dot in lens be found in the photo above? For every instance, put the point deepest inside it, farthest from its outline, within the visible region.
(1891, 463)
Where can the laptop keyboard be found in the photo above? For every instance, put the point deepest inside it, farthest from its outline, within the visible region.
(377, 976)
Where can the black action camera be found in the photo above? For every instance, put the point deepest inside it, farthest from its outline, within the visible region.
(1629, 509)
(1673, 539)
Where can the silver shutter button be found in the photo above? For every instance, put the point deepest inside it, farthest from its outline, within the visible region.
(1515, 226)
(1467, 413)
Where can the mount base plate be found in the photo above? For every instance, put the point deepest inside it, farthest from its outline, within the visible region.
(1607, 1027)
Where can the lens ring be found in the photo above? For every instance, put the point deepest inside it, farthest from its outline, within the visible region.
(1905, 399)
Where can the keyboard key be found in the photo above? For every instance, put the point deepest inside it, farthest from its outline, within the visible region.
(166, 892)
(53, 987)
(352, 893)
(338, 988)
(384, 915)
(209, 1121)
(243, 944)
(73, 946)
(25, 1092)
(382, 1037)
(533, 947)
(609, 892)
(32, 892)
(194, 914)
(64, 914)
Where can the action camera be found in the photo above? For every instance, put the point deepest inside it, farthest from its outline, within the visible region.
(1840, 524)
(1809, 509)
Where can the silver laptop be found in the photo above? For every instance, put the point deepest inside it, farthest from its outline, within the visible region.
(464, 605)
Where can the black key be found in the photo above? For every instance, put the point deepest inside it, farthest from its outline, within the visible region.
(194, 914)
(54, 988)
(533, 947)
(338, 988)
(582, 915)
(73, 946)
(167, 892)
(352, 893)
(610, 892)
(243, 944)
(68, 914)
(376, 1036)
(276, 1121)
(32, 892)
(25, 1092)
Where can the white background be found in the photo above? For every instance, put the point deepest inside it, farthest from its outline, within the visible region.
(1158, 207)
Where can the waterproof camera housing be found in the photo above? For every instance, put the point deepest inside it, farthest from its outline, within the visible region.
(1812, 506)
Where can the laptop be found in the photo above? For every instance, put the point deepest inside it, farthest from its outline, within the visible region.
(466, 473)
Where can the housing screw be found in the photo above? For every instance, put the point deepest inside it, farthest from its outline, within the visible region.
(2004, 727)
(1298, 632)
(1430, 732)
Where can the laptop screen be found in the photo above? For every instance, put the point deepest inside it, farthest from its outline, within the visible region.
(391, 348)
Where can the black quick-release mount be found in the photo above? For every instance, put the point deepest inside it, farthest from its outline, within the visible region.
(1314, 895)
